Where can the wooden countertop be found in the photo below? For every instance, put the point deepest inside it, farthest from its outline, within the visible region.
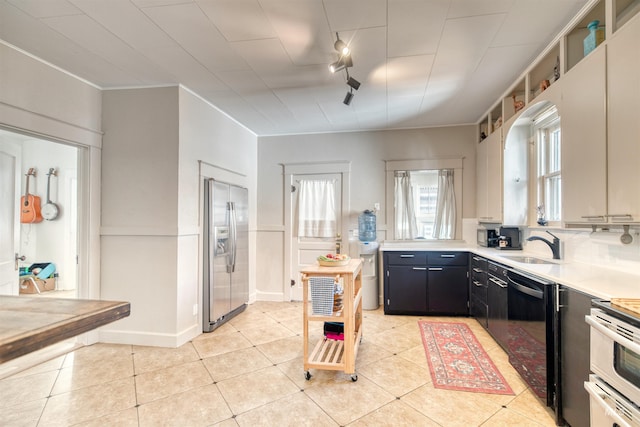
(31, 323)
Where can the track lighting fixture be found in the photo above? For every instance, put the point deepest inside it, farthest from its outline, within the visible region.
(348, 97)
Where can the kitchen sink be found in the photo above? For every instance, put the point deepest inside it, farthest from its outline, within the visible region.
(529, 260)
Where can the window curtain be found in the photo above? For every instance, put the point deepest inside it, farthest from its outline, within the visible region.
(406, 227)
(316, 208)
(445, 222)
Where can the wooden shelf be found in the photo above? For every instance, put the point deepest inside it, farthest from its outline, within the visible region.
(574, 40)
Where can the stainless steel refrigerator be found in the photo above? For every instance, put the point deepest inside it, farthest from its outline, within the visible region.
(226, 252)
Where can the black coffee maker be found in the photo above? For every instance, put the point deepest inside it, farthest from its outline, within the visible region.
(510, 238)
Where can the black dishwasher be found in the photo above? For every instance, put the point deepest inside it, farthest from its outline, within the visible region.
(531, 343)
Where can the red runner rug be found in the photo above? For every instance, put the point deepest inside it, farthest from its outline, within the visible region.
(457, 360)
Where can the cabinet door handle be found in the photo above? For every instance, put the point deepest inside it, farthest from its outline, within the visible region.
(478, 284)
(475, 258)
(498, 282)
(593, 217)
(477, 270)
(420, 268)
(435, 268)
(407, 255)
(447, 256)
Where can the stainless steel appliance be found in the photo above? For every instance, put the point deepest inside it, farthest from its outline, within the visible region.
(531, 302)
(614, 388)
(226, 252)
(487, 237)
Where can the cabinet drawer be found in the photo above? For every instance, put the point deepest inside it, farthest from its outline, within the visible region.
(448, 258)
(478, 262)
(478, 275)
(478, 289)
(407, 258)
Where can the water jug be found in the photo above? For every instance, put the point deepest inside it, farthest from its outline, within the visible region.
(367, 226)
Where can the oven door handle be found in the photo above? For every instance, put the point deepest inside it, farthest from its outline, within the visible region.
(625, 342)
(601, 399)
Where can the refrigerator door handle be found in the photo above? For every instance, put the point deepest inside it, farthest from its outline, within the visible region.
(233, 236)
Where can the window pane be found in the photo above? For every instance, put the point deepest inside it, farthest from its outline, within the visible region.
(553, 197)
(554, 150)
(425, 197)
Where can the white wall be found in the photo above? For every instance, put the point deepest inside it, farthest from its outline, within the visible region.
(40, 101)
(155, 143)
(208, 138)
(367, 152)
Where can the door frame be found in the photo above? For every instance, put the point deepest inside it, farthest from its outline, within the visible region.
(88, 197)
(342, 167)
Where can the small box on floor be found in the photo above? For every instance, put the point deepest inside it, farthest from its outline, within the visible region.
(27, 285)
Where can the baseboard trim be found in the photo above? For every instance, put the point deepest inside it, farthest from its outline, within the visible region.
(152, 339)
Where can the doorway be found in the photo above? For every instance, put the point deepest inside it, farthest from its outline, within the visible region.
(303, 250)
(44, 250)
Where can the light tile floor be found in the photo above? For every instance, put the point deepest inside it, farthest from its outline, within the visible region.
(249, 372)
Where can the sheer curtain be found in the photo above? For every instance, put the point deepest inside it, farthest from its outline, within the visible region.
(406, 227)
(445, 223)
(316, 208)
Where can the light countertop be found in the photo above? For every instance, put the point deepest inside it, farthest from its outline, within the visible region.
(601, 282)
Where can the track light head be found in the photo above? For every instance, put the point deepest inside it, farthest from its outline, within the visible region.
(341, 47)
(353, 83)
(340, 64)
(348, 97)
(336, 66)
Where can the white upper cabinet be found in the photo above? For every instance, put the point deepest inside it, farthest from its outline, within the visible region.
(489, 178)
(623, 78)
(584, 140)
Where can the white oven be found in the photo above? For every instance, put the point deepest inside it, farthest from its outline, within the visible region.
(608, 407)
(615, 360)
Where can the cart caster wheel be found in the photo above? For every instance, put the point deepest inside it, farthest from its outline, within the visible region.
(354, 378)
(307, 375)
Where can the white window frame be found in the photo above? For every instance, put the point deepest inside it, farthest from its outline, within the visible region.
(546, 125)
(391, 166)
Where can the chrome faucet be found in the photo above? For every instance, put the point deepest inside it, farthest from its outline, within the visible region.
(555, 246)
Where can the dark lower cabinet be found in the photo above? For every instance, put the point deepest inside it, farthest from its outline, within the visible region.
(478, 308)
(426, 282)
(573, 341)
(406, 290)
(448, 292)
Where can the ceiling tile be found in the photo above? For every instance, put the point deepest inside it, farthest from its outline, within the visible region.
(466, 8)
(126, 21)
(302, 28)
(355, 14)
(46, 9)
(96, 39)
(415, 26)
(192, 29)
(527, 22)
(238, 19)
(187, 70)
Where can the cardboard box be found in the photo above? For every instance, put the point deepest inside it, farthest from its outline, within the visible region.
(27, 285)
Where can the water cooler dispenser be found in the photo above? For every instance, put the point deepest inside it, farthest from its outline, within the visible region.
(368, 252)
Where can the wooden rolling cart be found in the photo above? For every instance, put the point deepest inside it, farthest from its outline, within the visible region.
(335, 355)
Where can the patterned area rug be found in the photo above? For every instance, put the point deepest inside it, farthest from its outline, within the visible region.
(457, 360)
